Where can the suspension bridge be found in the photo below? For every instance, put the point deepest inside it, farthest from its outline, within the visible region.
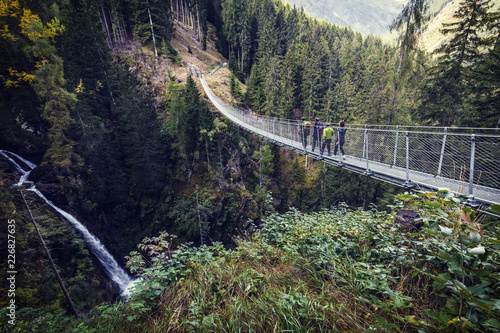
(465, 160)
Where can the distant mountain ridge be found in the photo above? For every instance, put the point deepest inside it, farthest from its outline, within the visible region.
(366, 16)
(375, 16)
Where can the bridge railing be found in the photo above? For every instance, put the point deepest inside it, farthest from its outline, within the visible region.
(468, 155)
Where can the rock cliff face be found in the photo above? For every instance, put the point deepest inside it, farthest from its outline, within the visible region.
(48, 183)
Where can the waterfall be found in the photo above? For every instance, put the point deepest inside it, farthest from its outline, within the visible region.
(111, 267)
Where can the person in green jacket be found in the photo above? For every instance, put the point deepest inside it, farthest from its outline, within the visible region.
(327, 139)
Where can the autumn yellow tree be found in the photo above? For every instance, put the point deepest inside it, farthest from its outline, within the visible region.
(22, 28)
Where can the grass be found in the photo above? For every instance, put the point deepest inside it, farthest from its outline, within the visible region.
(219, 83)
(337, 270)
(154, 71)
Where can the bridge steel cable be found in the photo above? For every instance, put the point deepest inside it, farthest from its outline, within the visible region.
(465, 160)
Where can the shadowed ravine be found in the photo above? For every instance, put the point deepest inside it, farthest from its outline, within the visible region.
(117, 274)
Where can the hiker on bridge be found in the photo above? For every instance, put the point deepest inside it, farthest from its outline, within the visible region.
(340, 139)
(317, 134)
(327, 139)
(304, 130)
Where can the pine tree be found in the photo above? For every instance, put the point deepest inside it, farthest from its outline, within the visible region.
(412, 18)
(38, 39)
(267, 33)
(191, 119)
(347, 101)
(143, 147)
(291, 27)
(203, 13)
(329, 106)
(446, 91)
(484, 73)
(290, 86)
(231, 15)
(376, 105)
(246, 42)
(254, 94)
(273, 87)
(152, 21)
(234, 88)
(313, 81)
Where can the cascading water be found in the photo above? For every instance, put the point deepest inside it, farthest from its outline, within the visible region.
(111, 267)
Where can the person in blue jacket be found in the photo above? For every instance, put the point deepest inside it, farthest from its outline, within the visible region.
(317, 133)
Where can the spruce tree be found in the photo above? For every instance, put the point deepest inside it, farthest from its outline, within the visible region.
(411, 19)
(290, 86)
(313, 80)
(484, 73)
(447, 90)
(377, 103)
(246, 42)
(329, 106)
(234, 88)
(152, 21)
(273, 87)
(254, 94)
(48, 82)
(191, 119)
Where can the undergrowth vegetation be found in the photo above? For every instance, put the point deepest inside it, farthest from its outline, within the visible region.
(337, 270)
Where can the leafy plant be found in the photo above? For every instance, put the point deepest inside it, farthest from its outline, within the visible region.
(468, 276)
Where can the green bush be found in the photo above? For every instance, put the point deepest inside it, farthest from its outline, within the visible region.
(334, 270)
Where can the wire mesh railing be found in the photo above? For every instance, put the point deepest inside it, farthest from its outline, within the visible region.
(466, 155)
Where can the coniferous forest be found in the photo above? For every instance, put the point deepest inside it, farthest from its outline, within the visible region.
(227, 231)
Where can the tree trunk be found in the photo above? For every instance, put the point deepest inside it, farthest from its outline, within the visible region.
(242, 51)
(330, 74)
(104, 22)
(323, 174)
(364, 201)
(260, 168)
(199, 28)
(152, 30)
(199, 218)
(396, 84)
(61, 283)
(208, 157)
(389, 120)
(103, 66)
(177, 10)
(405, 41)
(191, 16)
(122, 29)
(182, 13)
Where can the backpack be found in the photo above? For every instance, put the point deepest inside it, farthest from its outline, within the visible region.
(308, 128)
(320, 129)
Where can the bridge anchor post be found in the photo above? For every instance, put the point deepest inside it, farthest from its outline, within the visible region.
(409, 184)
(472, 203)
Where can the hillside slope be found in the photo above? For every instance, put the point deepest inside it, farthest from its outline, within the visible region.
(156, 70)
(442, 11)
(367, 17)
(375, 17)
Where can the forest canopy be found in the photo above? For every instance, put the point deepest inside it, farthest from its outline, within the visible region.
(98, 93)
